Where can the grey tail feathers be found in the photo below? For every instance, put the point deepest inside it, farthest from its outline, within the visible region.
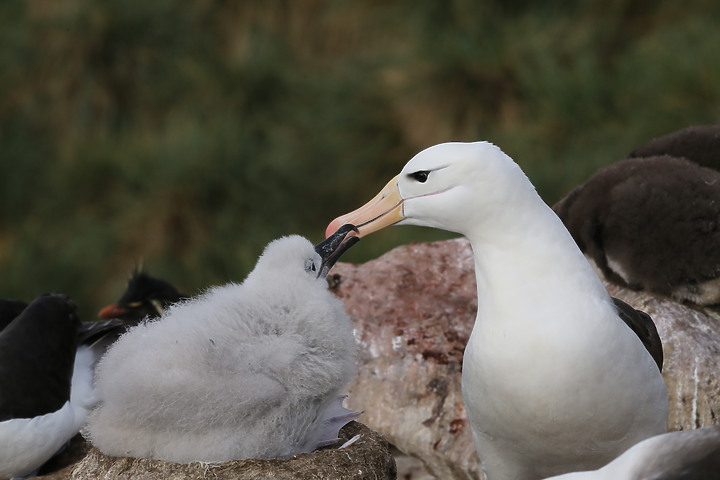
(333, 419)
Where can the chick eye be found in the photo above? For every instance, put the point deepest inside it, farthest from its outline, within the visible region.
(310, 265)
(420, 176)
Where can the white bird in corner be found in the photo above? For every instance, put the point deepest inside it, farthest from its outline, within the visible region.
(243, 371)
(553, 379)
(683, 455)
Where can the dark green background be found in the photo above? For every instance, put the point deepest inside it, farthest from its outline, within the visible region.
(187, 134)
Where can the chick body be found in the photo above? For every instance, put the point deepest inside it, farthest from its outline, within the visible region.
(244, 370)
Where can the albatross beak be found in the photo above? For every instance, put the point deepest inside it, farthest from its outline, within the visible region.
(334, 246)
(382, 211)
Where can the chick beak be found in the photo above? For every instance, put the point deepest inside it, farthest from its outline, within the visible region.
(334, 246)
(385, 209)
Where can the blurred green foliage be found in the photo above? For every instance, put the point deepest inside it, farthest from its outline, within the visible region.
(186, 134)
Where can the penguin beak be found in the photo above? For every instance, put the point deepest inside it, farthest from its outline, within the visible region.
(385, 209)
(111, 311)
(334, 246)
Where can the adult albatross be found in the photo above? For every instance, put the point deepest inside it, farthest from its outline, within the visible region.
(553, 379)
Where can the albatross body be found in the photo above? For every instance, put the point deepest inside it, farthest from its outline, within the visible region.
(242, 371)
(553, 379)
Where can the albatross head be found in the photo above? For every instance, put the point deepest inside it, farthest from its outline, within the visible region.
(448, 186)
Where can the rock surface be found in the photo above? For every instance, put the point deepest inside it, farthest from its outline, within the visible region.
(414, 308)
(691, 344)
(367, 458)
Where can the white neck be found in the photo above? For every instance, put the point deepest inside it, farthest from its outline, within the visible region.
(524, 257)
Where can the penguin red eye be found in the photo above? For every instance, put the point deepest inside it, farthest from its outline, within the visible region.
(420, 176)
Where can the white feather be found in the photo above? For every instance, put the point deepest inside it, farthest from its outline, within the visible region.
(553, 380)
(241, 371)
(684, 455)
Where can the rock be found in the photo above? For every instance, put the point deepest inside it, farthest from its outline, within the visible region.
(61, 466)
(410, 468)
(691, 344)
(367, 458)
(413, 309)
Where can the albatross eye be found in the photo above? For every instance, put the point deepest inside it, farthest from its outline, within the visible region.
(310, 265)
(421, 176)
